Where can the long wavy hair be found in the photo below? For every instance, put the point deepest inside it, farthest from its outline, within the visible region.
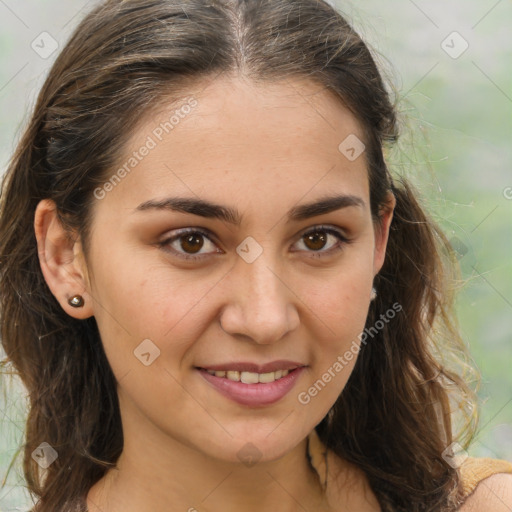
(394, 417)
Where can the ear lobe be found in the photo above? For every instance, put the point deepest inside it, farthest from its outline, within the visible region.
(58, 254)
(382, 233)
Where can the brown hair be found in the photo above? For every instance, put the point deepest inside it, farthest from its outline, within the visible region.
(393, 419)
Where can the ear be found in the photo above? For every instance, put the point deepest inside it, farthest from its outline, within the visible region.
(382, 232)
(61, 260)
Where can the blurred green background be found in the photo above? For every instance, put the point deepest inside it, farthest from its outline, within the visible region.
(450, 64)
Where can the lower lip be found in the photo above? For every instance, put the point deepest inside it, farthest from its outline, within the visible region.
(253, 394)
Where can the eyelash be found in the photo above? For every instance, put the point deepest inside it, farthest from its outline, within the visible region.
(342, 241)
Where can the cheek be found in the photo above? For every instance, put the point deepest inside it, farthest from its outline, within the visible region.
(137, 300)
(340, 305)
(339, 302)
(341, 325)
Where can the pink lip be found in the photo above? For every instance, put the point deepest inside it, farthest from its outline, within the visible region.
(273, 366)
(253, 394)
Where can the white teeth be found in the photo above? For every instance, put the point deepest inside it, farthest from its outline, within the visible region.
(250, 377)
(265, 377)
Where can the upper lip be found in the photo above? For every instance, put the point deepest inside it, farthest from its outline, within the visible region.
(253, 367)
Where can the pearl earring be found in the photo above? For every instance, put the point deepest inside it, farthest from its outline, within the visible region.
(77, 301)
(374, 294)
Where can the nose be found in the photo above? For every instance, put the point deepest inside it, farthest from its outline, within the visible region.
(258, 303)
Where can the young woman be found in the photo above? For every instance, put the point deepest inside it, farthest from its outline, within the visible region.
(215, 293)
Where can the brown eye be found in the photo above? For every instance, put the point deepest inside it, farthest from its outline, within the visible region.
(316, 239)
(187, 243)
(191, 243)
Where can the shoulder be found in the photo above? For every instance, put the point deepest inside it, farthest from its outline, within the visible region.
(487, 484)
(493, 494)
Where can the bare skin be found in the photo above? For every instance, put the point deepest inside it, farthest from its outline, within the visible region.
(261, 150)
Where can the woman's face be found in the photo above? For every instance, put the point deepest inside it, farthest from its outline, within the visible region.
(251, 283)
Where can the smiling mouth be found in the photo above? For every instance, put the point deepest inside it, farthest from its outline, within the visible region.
(249, 377)
(253, 389)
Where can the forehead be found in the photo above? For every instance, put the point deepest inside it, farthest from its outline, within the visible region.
(270, 142)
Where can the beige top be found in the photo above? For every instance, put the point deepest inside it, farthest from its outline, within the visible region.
(473, 470)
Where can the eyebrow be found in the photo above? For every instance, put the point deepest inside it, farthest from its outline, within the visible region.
(230, 215)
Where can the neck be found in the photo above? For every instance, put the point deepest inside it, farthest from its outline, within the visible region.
(156, 470)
